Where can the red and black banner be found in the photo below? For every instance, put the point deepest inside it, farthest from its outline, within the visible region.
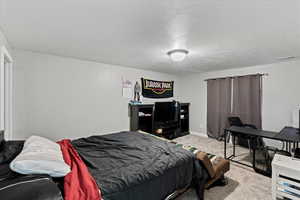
(157, 89)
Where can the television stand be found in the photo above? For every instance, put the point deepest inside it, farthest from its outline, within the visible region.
(140, 118)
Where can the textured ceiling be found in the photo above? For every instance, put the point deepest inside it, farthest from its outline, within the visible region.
(138, 33)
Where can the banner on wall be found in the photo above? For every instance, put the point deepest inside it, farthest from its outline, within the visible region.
(157, 89)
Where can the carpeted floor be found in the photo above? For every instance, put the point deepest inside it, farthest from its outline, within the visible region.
(243, 182)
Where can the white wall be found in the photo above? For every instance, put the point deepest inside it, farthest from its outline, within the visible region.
(3, 41)
(61, 97)
(281, 93)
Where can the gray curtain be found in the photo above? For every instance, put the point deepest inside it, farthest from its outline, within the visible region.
(247, 99)
(218, 106)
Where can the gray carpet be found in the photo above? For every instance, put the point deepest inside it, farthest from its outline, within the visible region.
(243, 182)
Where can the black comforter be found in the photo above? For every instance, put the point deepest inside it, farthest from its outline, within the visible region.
(136, 166)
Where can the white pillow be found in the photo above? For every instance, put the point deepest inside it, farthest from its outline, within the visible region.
(40, 156)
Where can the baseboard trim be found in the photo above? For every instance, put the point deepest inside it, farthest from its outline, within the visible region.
(199, 134)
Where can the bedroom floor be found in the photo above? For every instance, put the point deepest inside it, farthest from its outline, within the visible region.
(243, 182)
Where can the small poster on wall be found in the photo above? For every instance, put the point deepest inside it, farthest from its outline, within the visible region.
(157, 89)
(126, 88)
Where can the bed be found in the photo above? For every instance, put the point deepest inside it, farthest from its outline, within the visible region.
(132, 165)
(135, 166)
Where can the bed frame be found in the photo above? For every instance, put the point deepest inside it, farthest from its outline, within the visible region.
(177, 193)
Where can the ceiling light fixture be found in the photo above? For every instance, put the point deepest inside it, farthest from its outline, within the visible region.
(177, 55)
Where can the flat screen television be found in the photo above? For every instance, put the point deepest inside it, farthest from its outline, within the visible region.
(166, 112)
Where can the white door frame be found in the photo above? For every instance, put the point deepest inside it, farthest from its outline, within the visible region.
(6, 93)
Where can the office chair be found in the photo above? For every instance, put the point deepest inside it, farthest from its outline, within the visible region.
(236, 121)
(242, 140)
(264, 153)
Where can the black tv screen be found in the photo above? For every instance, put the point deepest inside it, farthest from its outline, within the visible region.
(165, 111)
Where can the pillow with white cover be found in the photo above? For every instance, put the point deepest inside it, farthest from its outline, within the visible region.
(40, 156)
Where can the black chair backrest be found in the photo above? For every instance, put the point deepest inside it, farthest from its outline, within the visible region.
(235, 121)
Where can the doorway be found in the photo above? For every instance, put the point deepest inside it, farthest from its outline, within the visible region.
(6, 93)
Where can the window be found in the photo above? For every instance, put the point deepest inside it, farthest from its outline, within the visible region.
(239, 96)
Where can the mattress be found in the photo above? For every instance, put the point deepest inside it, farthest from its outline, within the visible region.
(135, 166)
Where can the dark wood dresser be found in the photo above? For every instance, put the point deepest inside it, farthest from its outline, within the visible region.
(141, 119)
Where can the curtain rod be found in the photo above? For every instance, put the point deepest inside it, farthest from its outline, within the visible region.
(264, 74)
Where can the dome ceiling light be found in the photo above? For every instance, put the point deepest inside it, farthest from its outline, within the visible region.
(177, 55)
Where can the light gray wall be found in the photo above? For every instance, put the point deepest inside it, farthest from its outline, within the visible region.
(281, 94)
(3, 41)
(59, 97)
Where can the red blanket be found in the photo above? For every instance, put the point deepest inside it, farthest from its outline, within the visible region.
(78, 184)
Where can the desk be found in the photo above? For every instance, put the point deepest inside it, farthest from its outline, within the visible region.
(291, 137)
(288, 135)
